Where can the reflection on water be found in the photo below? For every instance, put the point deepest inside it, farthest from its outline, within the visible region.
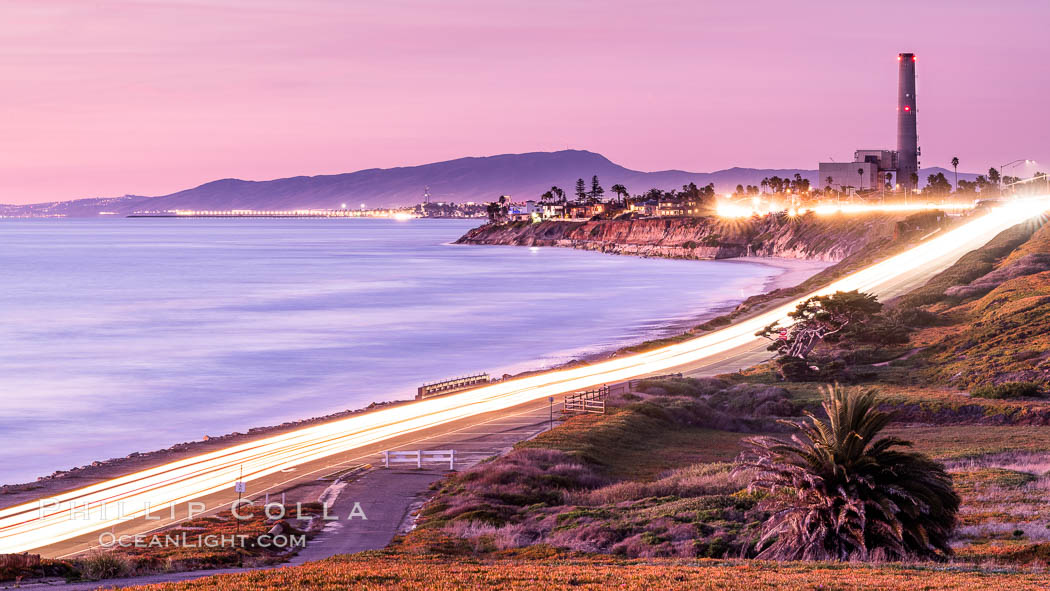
(125, 335)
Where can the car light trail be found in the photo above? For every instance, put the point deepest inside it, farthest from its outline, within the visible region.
(99, 506)
(731, 210)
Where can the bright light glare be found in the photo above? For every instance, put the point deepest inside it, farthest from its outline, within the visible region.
(26, 526)
(732, 210)
(735, 210)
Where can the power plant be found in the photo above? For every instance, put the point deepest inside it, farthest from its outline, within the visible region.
(870, 169)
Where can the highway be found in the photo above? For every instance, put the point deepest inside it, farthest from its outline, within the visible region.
(73, 519)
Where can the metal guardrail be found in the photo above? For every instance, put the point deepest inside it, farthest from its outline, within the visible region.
(453, 385)
(590, 401)
(418, 457)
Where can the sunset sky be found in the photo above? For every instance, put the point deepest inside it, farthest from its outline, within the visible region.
(104, 98)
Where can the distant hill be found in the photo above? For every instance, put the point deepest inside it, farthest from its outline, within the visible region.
(482, 179)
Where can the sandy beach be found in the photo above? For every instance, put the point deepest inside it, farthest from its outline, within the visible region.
(794, 271)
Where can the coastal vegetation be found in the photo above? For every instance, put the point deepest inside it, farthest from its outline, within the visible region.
(848, 317)
(838, 492)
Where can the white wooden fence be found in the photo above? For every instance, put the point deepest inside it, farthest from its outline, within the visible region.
(591, 401)
(419, 457)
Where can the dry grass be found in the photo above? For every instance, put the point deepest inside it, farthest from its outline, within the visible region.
(1004, 506)
(675, 449)
(253, 524)
(1039, 243)
(691, 481)
(398, 572)
(953, 442)
(631, 444)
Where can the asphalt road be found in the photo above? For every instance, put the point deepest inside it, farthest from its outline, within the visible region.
(473, 438)
(728, 350)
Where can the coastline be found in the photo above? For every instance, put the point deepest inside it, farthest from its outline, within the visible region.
(793, 272)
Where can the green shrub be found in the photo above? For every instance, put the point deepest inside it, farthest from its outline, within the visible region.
(716, 323)
(105, 565)
(1009, 390)
(912, 317)
(692, 387)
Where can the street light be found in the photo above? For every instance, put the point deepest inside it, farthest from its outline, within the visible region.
(1002, 171)
(1044, 177)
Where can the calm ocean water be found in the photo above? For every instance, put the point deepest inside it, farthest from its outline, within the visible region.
(128, 335)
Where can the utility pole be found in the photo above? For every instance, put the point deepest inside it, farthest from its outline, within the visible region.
(239, 487)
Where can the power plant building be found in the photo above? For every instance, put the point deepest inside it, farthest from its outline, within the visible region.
(841, 176)
(870, 168)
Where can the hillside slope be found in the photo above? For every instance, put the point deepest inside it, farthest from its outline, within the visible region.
(995, 314)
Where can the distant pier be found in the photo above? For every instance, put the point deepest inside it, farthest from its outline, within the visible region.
(297, 213)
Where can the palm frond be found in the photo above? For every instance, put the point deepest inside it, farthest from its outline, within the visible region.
(836, 491)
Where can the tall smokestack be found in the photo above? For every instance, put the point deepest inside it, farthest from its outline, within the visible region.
(907, 136)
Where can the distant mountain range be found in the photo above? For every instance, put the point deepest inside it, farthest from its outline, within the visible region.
(522, 176)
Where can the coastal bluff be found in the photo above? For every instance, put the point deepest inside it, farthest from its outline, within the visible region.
(811, 236)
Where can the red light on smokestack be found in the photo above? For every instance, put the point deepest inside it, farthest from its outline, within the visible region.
(907, 107)
(914, 58)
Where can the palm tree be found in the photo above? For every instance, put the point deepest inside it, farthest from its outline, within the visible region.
(955, 165)
(620, 191)
(860, 183)
(836, 493)
(559, 193)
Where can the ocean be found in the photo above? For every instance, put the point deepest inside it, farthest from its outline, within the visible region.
(123, 335)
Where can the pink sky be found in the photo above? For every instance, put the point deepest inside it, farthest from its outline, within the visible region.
(104, 98)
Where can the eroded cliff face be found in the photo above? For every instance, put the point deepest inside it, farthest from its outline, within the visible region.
(824, 237)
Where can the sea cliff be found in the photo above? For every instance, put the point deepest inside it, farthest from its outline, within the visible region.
(816, 237)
